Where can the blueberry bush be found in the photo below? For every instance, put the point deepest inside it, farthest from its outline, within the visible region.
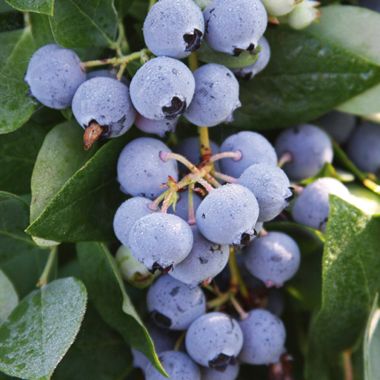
(189, 189)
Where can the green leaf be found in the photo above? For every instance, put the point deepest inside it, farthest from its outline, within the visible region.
(364, 104)
(16, 105)
(41, 329)
(313, 71)
(82, 24)
(73, 199)
(39, 6)
(20, 259)
(372, 344)
(98, 353)
(206, 54)
(8, 297)
(350, 280)
(17, 157)
(60, 156)
(106, 290)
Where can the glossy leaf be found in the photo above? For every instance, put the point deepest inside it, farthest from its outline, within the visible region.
(20, 259)
(313, 71)
(75, 201)
(18, 151)
(16, 105)
(39, 6)
(82, 24)
(41, 329)
(372, 344)
(350, 281)
(206, 54)
(98, 353)
(8, 297)
(107, 292)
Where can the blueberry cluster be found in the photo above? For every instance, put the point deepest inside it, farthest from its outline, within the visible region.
(194, 228)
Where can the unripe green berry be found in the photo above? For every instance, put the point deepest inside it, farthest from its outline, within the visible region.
(278, 8)
(303, 15)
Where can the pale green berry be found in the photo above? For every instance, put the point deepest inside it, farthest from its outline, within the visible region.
(278, 8)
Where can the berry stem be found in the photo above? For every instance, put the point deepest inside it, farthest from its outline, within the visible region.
(347, 365)
(237, 282)
(44, 279)
(123, 60)
(219, 301)
(236, 156)
(285, 159)
(242, 313)
(225, 177)
(166, 156)
(191, 219)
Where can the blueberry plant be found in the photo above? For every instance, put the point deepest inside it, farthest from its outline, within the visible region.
(189, 189)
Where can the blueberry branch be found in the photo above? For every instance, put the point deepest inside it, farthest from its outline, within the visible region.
(224, 177)
(237, 282)
(44, 279)
(123, 60)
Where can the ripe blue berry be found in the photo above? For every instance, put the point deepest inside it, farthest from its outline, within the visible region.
(204, 262)
(309, 147)
(228, 215)
(230, 373)
(214, 340)
(262, 62)
(270, 186)
(264, 338)
(174, 305)
(216, 96)
(101, 73)
(104, 101)
(338, 125)
(53, 75)
(174, 28)
(155, 127)
(273, 258)
(363, 147)
(254, 149)
(163, 340)
(312, 205)
(141, 171)
(233, 26)
(182, 206)
(178, 366)
(128, 214)
(162, 89)
(160, 241)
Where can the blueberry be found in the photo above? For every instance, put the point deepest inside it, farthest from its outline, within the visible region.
(363, 147)
(228, 215)
(160, 240)
(216, 96)
(273, 258)
(156, 127)
(101, 73)
(174, 28)
(178, 366)
(141, 171)
(128, 214)
(262, 62)
(182, 206)
(338, 125)
(270, 186)
(53, 75)
(162, 88)
(264, 338)
(103, 103)
(174, 305)
(255, 149)
(312, 205)
(303, 15)
(230, 373)
(233, 26)
(163, 340)
(309, 147)
(132, 270)
(204, 262)
(279, 8)
(214, 340)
